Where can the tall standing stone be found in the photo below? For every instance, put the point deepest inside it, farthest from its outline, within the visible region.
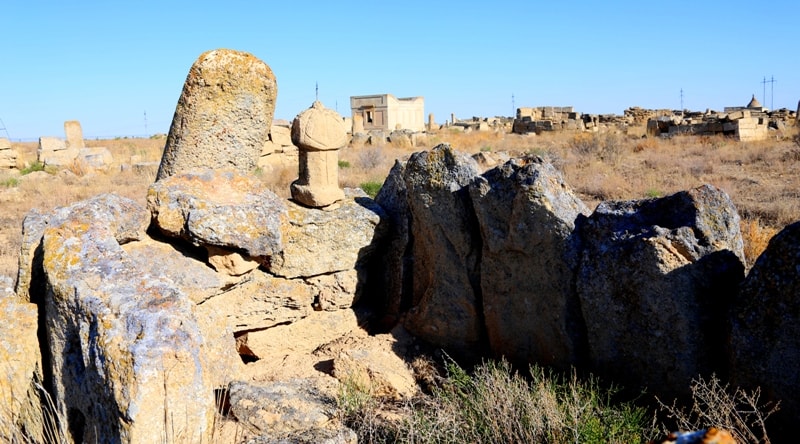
(319, 133)
(223, 116)
(74, 133)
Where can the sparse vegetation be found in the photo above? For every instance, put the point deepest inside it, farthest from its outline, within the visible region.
(719, 405)
(495, 403)
(33, 167)
(371, 188)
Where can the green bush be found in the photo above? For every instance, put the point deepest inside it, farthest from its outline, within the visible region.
(496, 404)
(11, 182)
(35, 166)
(371, 188)
(344, 164)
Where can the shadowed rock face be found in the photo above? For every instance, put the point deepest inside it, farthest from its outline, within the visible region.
(223, 116)
(637, 292)
(526, 214)
(655, 280)
(446, 307)
(765, 330)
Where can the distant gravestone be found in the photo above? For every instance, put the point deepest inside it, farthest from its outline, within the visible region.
(8, 156)
(53, 151)
(74, 133)
(223, 116)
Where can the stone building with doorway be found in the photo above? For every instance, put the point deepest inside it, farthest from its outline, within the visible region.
(386, 112)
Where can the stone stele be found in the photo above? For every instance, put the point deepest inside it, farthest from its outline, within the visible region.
(319, 133)
(223, 116)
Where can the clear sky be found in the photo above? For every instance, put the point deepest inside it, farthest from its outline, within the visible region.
(108, 63)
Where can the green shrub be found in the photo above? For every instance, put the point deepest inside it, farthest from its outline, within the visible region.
(11, 182)
(652, 192)
(371, 188)
(344, 164)
(35, 166)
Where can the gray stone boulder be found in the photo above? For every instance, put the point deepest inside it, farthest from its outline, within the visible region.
(765, 326)
(223, 116)
(223, 209)
(338, 238)
(655, 279)
(125, 345)
(282, 408)
(446, 246)
(526, 214)
(396, 260)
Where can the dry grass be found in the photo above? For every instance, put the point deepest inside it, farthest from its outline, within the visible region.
(716, 404)
(762, 178)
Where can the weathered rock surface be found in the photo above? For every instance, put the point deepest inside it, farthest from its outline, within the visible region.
(526, 214)
(655, 280)
(125, 345)
(261, 301)
(220, 209)
(54, 152)
(281, 408)
(223, 116)
(446, 245)
(319, 133)
(20, 367)
(396, 260)
(8, 155)
(319, 242)
(765, 326)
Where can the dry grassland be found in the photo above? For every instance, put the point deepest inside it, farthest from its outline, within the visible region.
(762, 178)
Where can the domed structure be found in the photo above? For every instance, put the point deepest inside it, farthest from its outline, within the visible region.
(754, 103)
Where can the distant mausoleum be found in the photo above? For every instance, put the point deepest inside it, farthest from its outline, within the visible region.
(385, 112)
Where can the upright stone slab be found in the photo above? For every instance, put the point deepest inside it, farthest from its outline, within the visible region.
(527, 213)
(319, 134)
(446, 306)
(223, 116)
(655, 282)
(765, 327)
(8, 156)
(74, 133)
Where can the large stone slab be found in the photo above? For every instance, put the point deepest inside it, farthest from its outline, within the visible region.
(319, 242)
(223, 116)
(128, 358)
(655, 281)
(20, 367)
(765, 327)
(221, 209)
(446, 249)
(526, 214)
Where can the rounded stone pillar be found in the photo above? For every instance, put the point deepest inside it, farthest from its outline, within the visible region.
(318, 133)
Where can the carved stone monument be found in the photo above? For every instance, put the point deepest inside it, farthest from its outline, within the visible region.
(319, 134)
(223, 116)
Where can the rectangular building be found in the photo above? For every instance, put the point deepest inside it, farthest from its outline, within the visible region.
(385, 112)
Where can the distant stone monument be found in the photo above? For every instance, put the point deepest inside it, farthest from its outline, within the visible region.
(431, 122)
(53, 151)
(319, 134)
(358, 123)
(223, 116)
(74, 133)
(8, 156)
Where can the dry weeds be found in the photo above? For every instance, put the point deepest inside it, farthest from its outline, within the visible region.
(762, 178)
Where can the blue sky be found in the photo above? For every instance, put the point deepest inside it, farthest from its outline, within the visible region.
(108, 63)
